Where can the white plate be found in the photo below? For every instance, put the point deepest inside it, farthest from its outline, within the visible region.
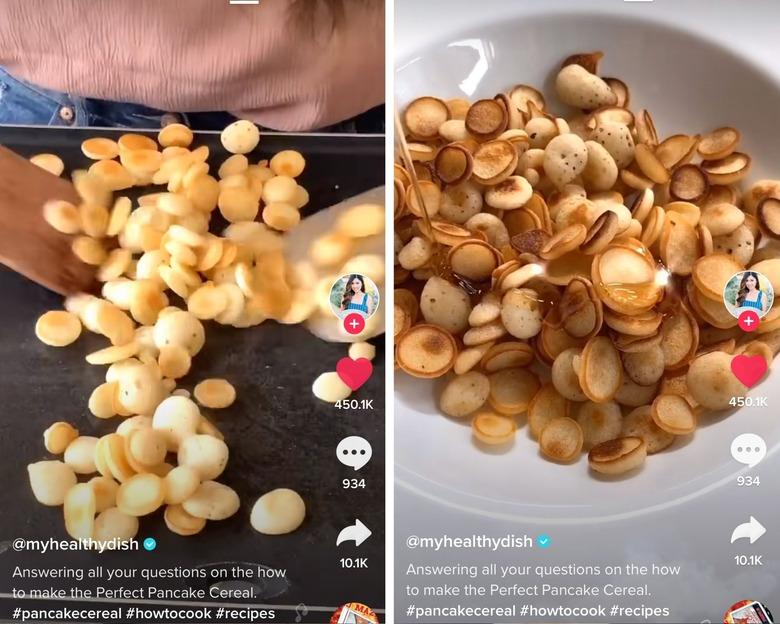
(690, 84)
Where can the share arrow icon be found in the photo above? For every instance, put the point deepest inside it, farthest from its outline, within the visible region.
(752, 530)
(357, 532)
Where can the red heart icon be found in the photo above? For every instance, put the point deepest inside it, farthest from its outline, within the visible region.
(749, 369)
(354, 373)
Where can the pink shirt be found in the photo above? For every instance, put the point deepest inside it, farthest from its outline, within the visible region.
(201, 55)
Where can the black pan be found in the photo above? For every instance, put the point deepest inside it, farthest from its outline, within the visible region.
(278, 433)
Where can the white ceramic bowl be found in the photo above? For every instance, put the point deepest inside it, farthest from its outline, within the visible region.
(690, 85)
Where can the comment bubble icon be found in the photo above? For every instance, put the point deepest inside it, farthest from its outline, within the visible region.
(354, 451)
(748, 448)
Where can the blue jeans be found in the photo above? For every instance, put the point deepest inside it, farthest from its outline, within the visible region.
(22, 103)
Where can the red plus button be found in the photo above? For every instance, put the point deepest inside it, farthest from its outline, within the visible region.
(354, 323)
(748, 321)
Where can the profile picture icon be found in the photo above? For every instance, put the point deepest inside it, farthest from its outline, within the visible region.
(354, 294)
(748, 291)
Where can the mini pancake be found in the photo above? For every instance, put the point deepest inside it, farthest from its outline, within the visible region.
(618, 456)
(458, 107)
(486, 311)
(653, 226)
(453, 164)
(567, 267)
(512, 193)
(644, 324)
(625, 277)
(686, 210)
(530, 241)
(601, 371)
(719, 143)
(468, 358)
(564, 241)
(484, 333)
(710, 274)
(474, 259)
(650, 165)
(639, 423)
(493, 429)
(553, 339)
(511, 390)
(546, 405)
(711, 382)
(680, 338)
(633, 344)
(710, 311)
(632, 394)
(494, 162)
(464, 394)
(506, 355)
(673, 414)
(521, 312)
(601, 233)
(424, 115)
(768, 214)
(689, 183)
(645, 128)
(642, 205)
(612, 114)
(521, 95)
(722, 218)
(679, 245)
(645, 367)
(599, 422)
(676, 151)
(740, 244)
(517, 277)
(580, 310)
(486, 119)
(561, 439)
(729, 170)
(100, 148)
(431, 198)
(564, 376)
(426, 351)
